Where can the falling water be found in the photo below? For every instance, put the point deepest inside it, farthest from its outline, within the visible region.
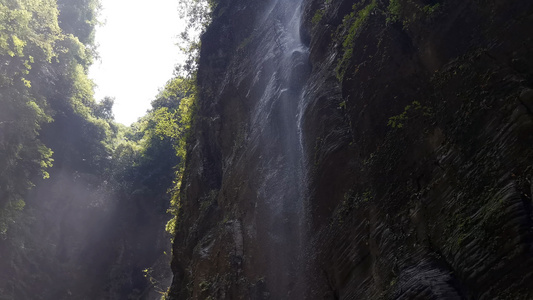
(276, 122)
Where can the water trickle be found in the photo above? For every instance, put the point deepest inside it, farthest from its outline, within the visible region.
(284, 68)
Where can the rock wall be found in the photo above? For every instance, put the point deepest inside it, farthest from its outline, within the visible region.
(382, 152)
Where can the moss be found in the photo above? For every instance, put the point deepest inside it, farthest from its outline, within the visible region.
(342, 105)
(204, 286)
(409, 12)
(367, 196)
(431, 10)
(399, 121)
(393, 11)
(351, 25)
(319, 14)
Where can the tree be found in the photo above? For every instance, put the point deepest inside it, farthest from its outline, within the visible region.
(43, 76)
(104, 109)
(197, 15)
(28, 33)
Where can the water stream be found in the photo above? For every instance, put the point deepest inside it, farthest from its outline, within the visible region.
(276, 121)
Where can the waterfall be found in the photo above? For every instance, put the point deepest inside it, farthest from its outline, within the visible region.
(283, 62)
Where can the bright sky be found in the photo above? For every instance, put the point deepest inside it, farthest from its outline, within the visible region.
(138, 52)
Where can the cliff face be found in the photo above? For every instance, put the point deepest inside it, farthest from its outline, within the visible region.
(360, 150)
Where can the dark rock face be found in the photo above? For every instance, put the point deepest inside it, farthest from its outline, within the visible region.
(405, 176)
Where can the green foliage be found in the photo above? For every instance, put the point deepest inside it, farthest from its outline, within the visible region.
(48, 115)
(350, 28)
(104, 109)
(197, 15)
(317, 17)
(46, 160)
(173, 122)
(431, 10)
(8, 215)
(180, 133)
(148, 273)
(149, 157)
(399, 121)
(78, 18)
(393, 11)
(342, 105)
(44, 75)
(28, 33)
(408, 11)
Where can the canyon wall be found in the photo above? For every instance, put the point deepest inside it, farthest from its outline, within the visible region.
(349, 149)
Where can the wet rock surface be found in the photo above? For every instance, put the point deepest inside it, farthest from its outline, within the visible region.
(406, 177)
